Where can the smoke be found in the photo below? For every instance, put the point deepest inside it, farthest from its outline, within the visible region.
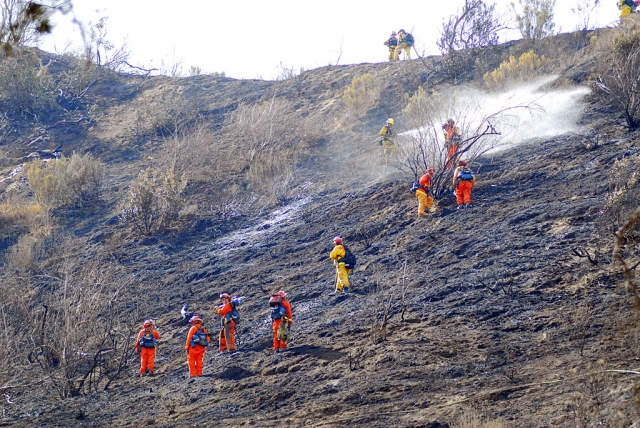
(531, 110)
(555, 111)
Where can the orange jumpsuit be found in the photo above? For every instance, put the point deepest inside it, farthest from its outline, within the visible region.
(147, 355)
(227, 339)
(452, 147)
(196, 354)
(276, 323)
(463, 188)
(341, 271)
(424, 199)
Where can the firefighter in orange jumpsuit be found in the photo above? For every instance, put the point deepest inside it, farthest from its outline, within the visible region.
(451, 139)
(463, 182)
(342, 273)
(423, 193)
(146, 346)
(195, 351)
(227, 337)
(288, 318)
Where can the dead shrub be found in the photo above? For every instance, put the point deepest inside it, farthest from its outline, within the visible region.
(73, 326)
(619, 73)
(154, 201)
(25, 85)
(262, 143)
(73, 182)
(25, 255)
(622, 197)
(471, 419)
(19, 214)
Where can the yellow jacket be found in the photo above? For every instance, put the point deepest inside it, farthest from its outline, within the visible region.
(386, 133)
(338, 253)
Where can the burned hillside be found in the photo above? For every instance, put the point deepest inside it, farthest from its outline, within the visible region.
(511, 311)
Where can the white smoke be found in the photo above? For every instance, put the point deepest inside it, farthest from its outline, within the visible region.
(531, 110)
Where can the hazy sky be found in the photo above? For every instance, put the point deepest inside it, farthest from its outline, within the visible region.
(251, 38)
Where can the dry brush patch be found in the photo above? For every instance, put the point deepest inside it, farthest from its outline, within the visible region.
(67, 327)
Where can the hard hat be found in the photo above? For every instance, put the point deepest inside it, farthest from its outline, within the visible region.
(390, 121)
(282, 294)
(450, 122)
(337, 240)
(224, 296)
(147, 323)
(401, 31)
(462, 163)
(194, 319)
(393, 33)
(431, 170)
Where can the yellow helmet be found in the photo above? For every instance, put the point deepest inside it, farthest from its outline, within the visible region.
(390, 121)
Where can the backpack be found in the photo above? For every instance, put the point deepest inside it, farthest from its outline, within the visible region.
(465, 174)
(200, 337)
(277, 310)
(415, 186)
(147, 341)
(408, 39)
(234, 314)
(349, 259)
(393, 42)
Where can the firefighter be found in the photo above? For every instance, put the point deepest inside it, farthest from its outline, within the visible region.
(452, 136)
(389, 149)
(227, 340)
(392, 43)
(342, 272)
(197, 341)
(281, 320)
(405, 42)
(424, 192)
(463, 182)
(146, 347)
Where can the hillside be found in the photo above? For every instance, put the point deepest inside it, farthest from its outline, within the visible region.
(490, 311)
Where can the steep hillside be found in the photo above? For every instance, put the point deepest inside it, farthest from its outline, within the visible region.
(488, 311)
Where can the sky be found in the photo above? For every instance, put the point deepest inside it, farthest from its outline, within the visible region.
(256, 39)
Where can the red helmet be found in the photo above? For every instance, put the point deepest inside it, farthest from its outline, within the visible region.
(147, 323)
(224, 296)
(195, 319)
(462, 163)
(282, 294)
(431, 170)
(337, 240)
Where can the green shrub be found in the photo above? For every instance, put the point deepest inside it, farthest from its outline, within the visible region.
(362, 95)
(67, 182)
(154, 201)
(514, 70)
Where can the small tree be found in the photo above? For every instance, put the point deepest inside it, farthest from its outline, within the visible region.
(584, 10)
(475, 26)
(23, 21)
(619, 76)
(534, 18)
(424, 146)
(154, 201)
